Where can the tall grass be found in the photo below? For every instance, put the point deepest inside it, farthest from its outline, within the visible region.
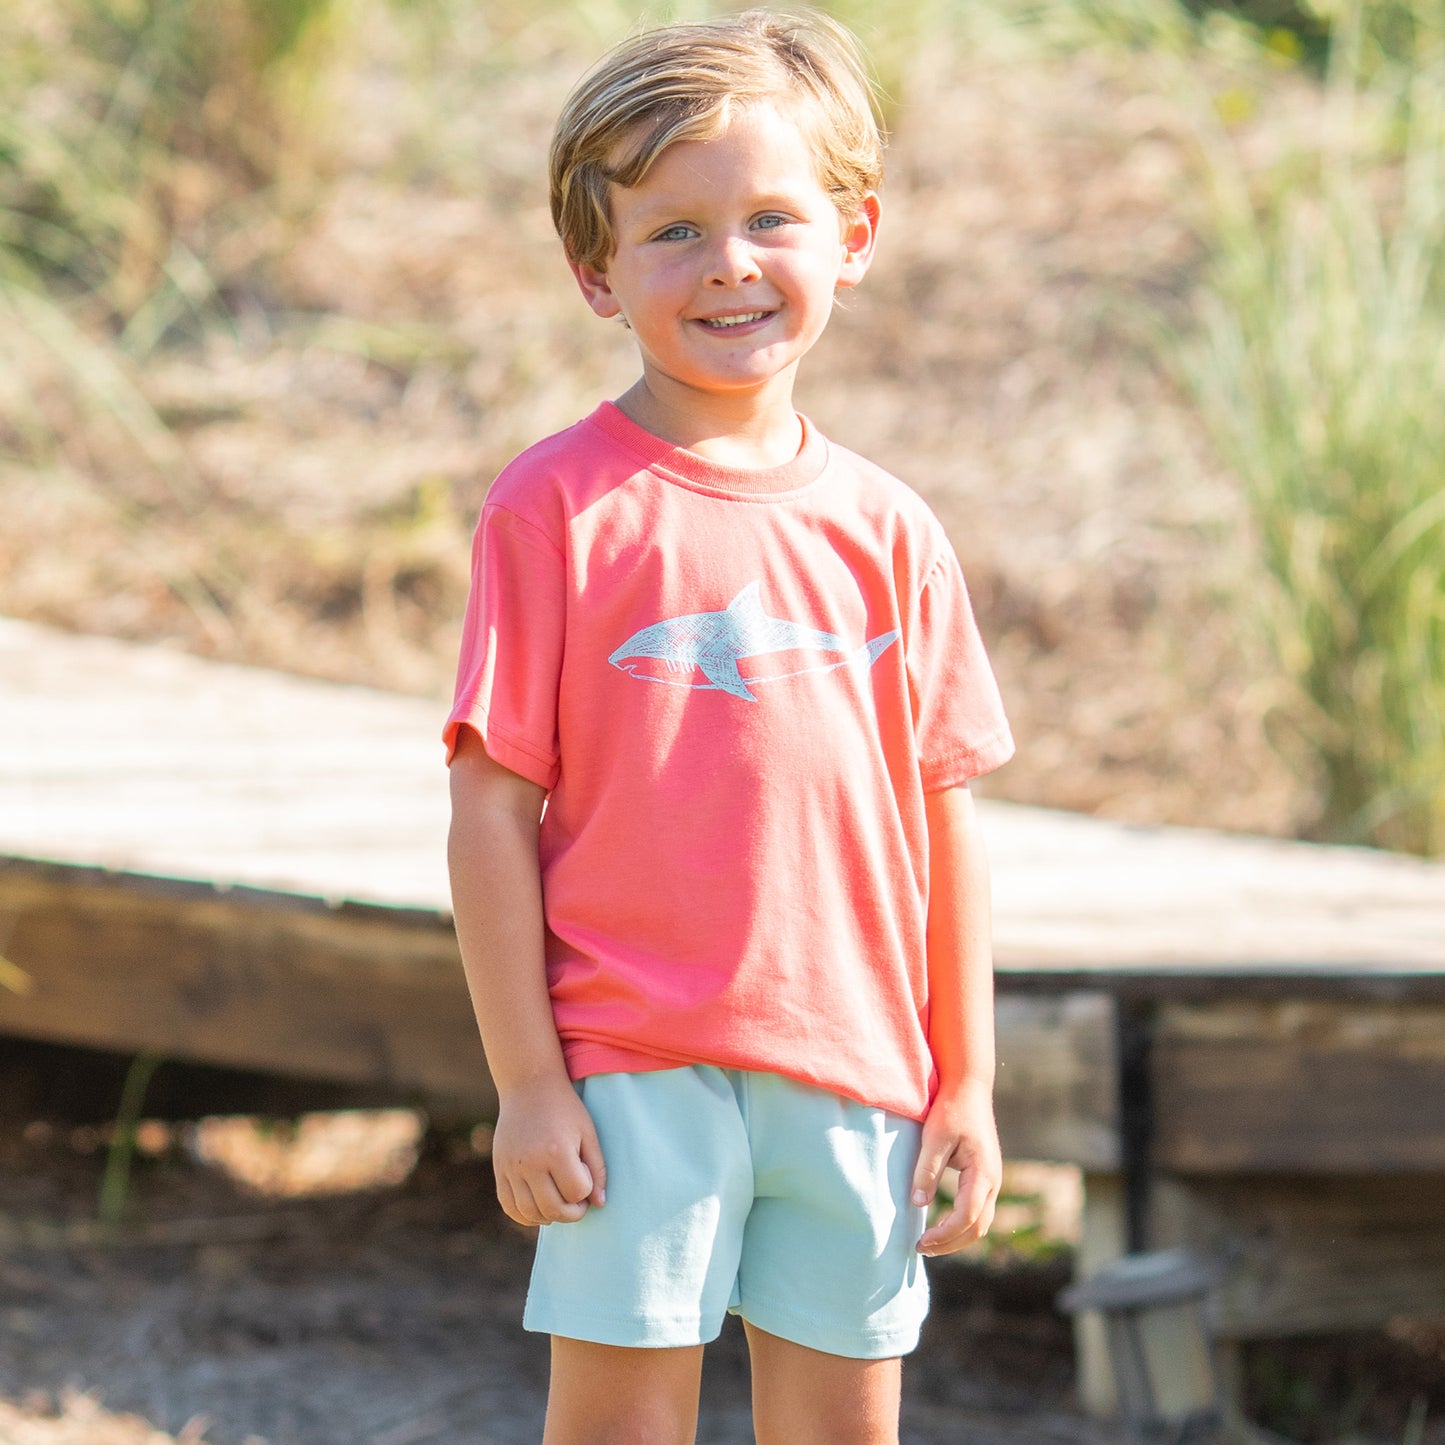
(128, 128)
(1320, 371)
(142, 144)
(133, 135)
(1318, 364)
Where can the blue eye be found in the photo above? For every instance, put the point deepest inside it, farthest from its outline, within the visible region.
(675, 233)
(770, 222)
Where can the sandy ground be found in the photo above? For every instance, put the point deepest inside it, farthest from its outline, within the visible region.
(388, 1316)
(351, 1281)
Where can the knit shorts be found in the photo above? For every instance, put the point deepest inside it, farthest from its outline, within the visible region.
(742, 1192)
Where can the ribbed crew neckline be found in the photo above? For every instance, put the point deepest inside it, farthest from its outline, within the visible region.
(688, 469)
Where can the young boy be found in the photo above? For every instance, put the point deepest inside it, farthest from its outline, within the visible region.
(734, 983)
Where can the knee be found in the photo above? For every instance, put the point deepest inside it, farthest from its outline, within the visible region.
(639, 1422)
(603, 1395)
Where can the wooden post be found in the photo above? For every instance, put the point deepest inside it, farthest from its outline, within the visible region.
(1103, 1239)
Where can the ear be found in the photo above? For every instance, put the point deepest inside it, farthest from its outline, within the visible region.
(594, 287)
(860, 236)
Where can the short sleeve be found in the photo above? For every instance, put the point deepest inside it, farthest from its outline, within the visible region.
(511, 651)
(960, 730)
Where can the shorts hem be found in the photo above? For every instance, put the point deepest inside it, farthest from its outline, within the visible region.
(887, 1343)
(573, 1322)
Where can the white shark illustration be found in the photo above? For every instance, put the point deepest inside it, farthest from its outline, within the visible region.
(714, 642)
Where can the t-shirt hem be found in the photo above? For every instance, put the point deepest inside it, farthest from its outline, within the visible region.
(512, 754)
(586, 1057)
(952, 769)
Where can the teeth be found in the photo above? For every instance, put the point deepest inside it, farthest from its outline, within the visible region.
(736, 320)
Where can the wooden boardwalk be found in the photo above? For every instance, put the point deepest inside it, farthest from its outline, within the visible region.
(231, 866)
(149, 761)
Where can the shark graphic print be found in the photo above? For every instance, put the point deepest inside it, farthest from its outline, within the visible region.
(676, 650)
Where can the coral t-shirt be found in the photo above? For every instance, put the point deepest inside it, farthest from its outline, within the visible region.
(738, 688)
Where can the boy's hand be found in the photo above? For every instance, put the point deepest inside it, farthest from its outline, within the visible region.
(960, 1133)
(546, 1155)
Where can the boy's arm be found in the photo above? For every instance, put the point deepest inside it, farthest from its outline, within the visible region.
(545, 1152)
(959, 1130)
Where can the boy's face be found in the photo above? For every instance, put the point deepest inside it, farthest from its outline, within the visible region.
(728, 255)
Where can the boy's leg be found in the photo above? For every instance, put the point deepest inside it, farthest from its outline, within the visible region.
(830, 1284)
(649, 1274)
(806, 1397)
(612, 1395)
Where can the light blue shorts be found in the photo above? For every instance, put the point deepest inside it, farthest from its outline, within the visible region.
(742, 1192)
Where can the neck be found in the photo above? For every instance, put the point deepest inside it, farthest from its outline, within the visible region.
(747, 430)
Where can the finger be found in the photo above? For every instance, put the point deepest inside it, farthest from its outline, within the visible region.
(507, 1198)
(525, 1207)
(572, 1179)
(595, 1165)
(952, 1232)
(933, 1156)
(984, 1222)
(981, 1185)
(968, 1220)
(552, 1208)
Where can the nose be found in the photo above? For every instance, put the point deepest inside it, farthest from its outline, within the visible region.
(732, 262)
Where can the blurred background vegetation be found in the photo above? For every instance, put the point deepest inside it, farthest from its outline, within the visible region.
(1157, 327)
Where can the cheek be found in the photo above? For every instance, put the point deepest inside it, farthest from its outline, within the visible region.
(815, 274)
(658, 283)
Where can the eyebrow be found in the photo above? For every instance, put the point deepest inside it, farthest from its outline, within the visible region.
(650, 214)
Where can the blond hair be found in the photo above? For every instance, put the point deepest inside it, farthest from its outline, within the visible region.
(684, 82)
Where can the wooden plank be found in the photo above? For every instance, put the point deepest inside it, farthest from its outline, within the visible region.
(83, 1084)
(1302, 1086)
(1057, 1091)
(1267, 982)
(147, 760)
(375, 996)
(1072, 892)
(1308, 1254)
(355, 995)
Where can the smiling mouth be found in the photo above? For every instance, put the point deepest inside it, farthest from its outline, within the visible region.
(724, 323)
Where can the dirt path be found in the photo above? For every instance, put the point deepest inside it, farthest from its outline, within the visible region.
(382, 1318)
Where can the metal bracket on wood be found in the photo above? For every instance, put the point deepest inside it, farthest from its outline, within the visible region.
(1135, 1025)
